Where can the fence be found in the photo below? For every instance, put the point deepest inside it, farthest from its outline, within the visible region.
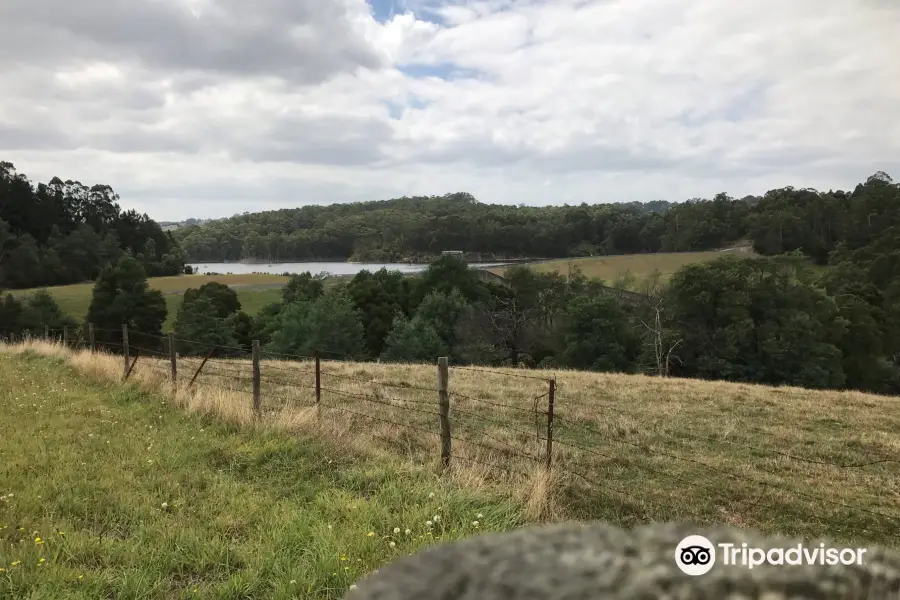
(510, 426)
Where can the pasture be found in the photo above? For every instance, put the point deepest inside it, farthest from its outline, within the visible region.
(639, 266)
(110, 491)
(627, 449)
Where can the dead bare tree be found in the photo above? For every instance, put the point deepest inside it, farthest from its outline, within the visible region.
(509, 323)
(664, 343)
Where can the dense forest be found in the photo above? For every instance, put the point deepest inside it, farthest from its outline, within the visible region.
(66, 232)
(418, 229)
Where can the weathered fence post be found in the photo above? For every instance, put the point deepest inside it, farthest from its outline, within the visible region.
(318, 386)
(91, 336)
(173, 358)
(444, 410)
(202, 364)
(66, 336)
(125, 346)
(551, 398)
(257, 399)
(46, 333)
(137, 354)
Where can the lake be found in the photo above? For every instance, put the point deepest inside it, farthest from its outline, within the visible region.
(332, 268)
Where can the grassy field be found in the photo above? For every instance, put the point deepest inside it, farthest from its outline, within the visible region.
(254, 292)
(114, 492)
(609, 268)
(627, 449)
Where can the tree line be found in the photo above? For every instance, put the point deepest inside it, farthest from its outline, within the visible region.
(419, 228)
(66, 232)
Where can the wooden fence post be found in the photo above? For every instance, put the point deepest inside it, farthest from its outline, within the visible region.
(444, 411)
(91, 336)
(551, 398)
(318, 386)
(46, 333)
(173, 358)
(137, 354)
(125, 346)
(257, 399)
(66, 336)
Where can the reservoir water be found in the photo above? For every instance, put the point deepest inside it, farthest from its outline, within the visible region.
(332, 268)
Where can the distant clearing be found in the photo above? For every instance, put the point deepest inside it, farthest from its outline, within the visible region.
(608, 268)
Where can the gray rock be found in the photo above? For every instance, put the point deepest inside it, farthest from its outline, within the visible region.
(578, 561)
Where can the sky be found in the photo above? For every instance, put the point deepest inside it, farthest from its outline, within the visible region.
(208, 108)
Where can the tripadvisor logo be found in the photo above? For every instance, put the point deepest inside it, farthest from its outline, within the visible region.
(696, 555)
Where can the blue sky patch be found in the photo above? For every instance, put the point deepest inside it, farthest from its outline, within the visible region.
(383, 10)
(448, 71)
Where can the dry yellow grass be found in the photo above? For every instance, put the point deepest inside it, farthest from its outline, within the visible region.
(626, 448)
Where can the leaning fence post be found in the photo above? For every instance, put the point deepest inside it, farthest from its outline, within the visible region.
(91, 336)
(318, 386)
(125, 346)
(257, 400)
(551, 398)
(173, 358)
(444, 411)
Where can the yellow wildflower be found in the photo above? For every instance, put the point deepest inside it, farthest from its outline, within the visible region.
(371, 534)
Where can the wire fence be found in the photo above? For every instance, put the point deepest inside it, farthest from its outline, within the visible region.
(507, 426)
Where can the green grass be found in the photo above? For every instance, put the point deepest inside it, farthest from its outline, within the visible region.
(108, 492)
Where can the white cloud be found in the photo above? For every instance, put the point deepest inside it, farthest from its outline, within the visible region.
(211, 107)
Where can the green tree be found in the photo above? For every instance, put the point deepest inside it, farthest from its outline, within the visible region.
(266, 323)
(242, 325)
(379, 297)
(756, 320)
(224, 299)
(413, 341)
(445, 275)
(302, 288)
(10, 316)
(22, 267)
(443, 313)
(41, 310)
(596, 335)
(121, 296)
(199, 328)
(329, 323)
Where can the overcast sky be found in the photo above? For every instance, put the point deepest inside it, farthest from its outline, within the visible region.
(206, 108)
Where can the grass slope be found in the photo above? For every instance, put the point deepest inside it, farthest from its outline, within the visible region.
(627, 449)
(110, 492)
(608, 268)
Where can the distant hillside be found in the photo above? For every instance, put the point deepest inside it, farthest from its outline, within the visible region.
(420, 228)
